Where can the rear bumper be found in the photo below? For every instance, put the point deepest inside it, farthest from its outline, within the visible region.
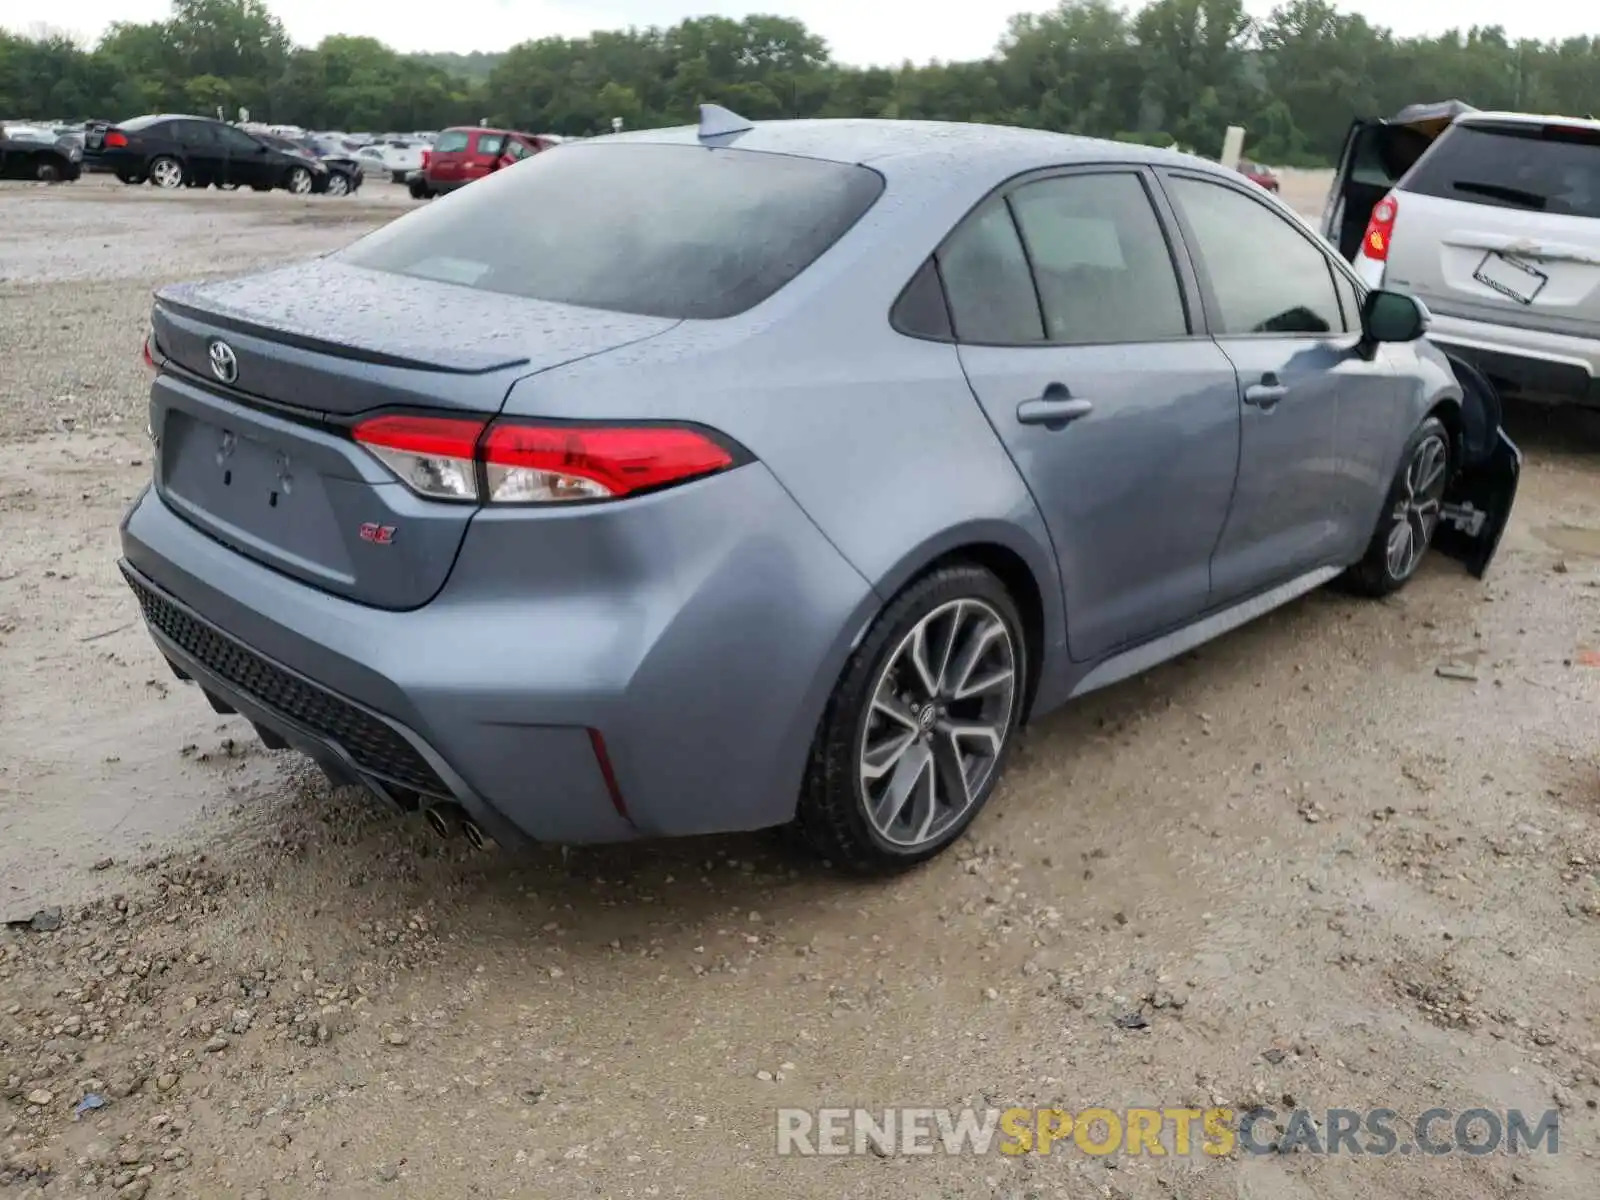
(705, 674)
(1524, 362)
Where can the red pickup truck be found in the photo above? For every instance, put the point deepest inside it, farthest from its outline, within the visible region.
(469, 152)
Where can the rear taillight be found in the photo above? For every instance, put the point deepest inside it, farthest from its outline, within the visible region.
(544, 463)
(1380, 229)
(433, 456)
(149, 351)
(509, 462)
(116, 139)
(427, 157)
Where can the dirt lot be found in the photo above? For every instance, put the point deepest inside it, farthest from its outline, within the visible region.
(1299, 868)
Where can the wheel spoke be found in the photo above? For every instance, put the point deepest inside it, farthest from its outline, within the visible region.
(985, 634)
(912, 771)
(920, 662)
(877, 760)
(952, 772)
(990, 736)
(891, 706)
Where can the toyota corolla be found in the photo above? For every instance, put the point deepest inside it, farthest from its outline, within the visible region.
(737, 476)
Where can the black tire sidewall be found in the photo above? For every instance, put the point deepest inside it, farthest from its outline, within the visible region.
(835, 766)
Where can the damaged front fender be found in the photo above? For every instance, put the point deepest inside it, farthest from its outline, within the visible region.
(1477, 504)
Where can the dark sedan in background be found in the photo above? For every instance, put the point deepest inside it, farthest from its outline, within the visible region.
(32, 152)
(173, 151)
(341, 174)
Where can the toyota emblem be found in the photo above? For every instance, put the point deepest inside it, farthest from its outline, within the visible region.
(224, 363)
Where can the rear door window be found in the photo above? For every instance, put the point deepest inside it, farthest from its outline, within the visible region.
(491, 143)
(985, 272)
(452, 141)
(196, 135)
(659, 230)
(1100, 258)
(1544, 168)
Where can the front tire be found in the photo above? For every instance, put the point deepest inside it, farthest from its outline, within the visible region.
(1410, 514)
(338, 185)
(47, 172)
(167, 173)
(915, 735)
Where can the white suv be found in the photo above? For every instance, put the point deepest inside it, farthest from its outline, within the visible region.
(1496, 228)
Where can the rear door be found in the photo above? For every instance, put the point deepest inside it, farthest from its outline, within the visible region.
(447, 163)
(246, 161)
(1278, 314)
(487, 146)
(1122, 417)
(1501, 223)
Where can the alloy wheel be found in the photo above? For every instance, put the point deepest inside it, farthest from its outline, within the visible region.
(167, 173)
(299, 181)
(338, 185)
(940, 715)
(1416, 512)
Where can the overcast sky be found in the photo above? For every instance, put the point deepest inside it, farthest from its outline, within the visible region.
(875, 31)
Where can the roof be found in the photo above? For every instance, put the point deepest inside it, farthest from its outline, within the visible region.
(917, 146)
(1518, 118)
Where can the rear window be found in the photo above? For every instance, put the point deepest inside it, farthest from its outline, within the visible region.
(660, 230)
(138, 124)
(451, 140)
(1537, 168)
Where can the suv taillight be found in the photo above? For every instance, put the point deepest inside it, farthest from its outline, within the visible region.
(1380, 229)
(427, 157)
(514, 462)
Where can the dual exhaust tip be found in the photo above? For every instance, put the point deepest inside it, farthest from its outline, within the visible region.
(448, 820)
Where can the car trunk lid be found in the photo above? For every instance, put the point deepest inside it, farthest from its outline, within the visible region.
(262, 378)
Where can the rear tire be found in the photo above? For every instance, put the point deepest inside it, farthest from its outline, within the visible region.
(1410, 514)
(916, 733)
(47, 172)
(298, 182)
(168, 173)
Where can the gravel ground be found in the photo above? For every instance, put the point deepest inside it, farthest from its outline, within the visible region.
(1300, 867)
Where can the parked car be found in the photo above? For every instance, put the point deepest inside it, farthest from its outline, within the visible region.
(776, 473)
(172, 151)
(34, 152)
(341, 174)
(1259, 175)
(467, 153)
(395, 157)
(1493, 221)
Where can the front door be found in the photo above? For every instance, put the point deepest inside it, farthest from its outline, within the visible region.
(246, 162)
(1305, 383)
(1074, 328)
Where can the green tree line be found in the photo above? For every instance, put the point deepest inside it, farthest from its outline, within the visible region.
(1173, 69)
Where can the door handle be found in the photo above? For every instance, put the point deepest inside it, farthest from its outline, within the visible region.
(1266, 394)
(1052, 410)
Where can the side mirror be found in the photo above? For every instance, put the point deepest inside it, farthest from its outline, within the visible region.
(1393, 317)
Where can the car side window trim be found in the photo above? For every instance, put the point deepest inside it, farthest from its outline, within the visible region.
(1208, 295)
(1190, 289)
